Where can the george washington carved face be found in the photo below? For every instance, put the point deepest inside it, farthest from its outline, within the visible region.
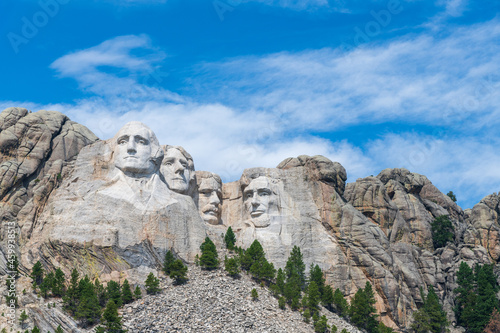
(137, 151)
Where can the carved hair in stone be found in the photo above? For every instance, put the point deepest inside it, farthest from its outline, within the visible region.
(178, 169)
(261, 200)
(209, 196)
(137, 151)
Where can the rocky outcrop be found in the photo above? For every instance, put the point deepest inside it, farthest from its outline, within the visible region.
(113, 208)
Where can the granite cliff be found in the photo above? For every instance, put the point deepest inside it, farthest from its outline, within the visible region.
(113, 208)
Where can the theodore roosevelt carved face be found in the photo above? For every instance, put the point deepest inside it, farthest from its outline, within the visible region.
(137, 151)
(259, 198)
(178, 169)
(209, 197)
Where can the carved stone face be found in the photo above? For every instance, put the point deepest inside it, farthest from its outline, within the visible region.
(258, 197)
(176, 170)
(134, 151)
(209, 200)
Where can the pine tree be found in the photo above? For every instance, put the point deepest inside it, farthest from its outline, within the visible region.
(263, 270)
(59, 329)
(340, 303)
(167, 262)
(435, 312)
(383, 329)
(137, 293)
(35, 330)
(321, 326)
(466, 298)
(230, 239)
(254, 294)
(101, 293)
(209, 259)
(22, 318)
(253, 254)
(89, 310)
(295, 268)
(58, 286)
(327, 297)
(178, 272)
(111, 320)
(47, 285)
(316, 275)
(37, 274)
(362, 310)
(282, 303)
(231, 266)
(442, 231)
(126, 292)
(113, 292)
(280, 281)
(313, 297)
(307, 315)
(72, 294)
(152, 284)
(421, 321)
(292, 288)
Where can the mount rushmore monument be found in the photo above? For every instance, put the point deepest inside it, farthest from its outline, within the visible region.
(116, 206)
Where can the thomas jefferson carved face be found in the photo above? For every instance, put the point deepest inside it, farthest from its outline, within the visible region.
(177, 169)
(259, 198)
(210, 199)
(136, 149)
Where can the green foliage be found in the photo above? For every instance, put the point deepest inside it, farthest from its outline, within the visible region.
(37, 274)
(230, 239)
(340, 303)
(59, 329)
(137, 293)
(126, 292)
(421, 322)
(22, 318)
(114, 293)
(263, 270)
(70, 300)
(307, 315)
(253, 254)
(111, 321)
(295, 268)
(58, 285)
(280, 282)
(47, 284)
(167, 262)
(327, 297)
(334, 328)
(434, 310)
(209, 259)
(178, 272)
(152, 284)
(231, 266)
(476, 296)
(88, 311)
(384, 329)
(362, 310)
(282, 303)
(452, 196)
(321, 325)
(442, 231)
(295, 304)
(101, 293)
(313, 297)
(254, 294)
(344, 331)
(35, 330)
(316, 275)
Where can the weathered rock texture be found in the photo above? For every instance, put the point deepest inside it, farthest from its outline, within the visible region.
(76, 206)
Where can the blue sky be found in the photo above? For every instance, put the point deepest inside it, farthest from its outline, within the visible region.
(245, 83)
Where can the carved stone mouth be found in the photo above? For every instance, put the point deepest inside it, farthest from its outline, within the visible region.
(257, 213)
(211, 211)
